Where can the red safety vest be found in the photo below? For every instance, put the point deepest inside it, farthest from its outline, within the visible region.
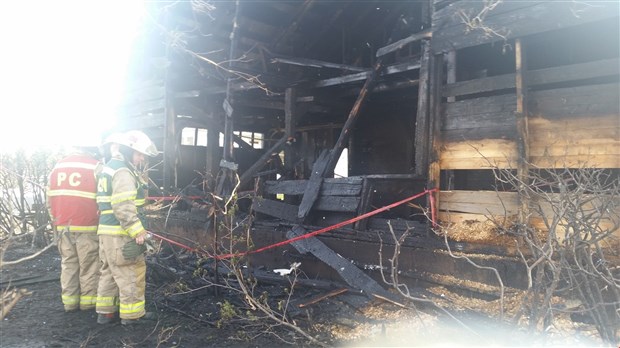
(72, 194)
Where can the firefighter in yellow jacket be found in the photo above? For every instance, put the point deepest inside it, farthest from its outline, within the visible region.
(71, 203)
(121, 191)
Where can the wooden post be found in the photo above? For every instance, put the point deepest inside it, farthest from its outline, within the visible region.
(435, 87)
(522, 131)
(213, 144)
(290, 120)
(450, 78)
(451, 71)
(227, 175)
(422, 114)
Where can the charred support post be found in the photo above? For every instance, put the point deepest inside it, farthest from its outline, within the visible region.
(522, 131)
(435, 88)
(290, 120)
(451, 71)
(366, 197)
(422, 115)
(450, 79)
(228, 157)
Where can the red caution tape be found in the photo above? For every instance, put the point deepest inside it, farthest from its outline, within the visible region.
(317, 232)
(172, 198)
(330, 228)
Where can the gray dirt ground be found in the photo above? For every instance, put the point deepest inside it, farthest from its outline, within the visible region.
(38, 320)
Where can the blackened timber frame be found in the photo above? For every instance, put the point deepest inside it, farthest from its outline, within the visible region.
(435, 87)
(290, 121)
(422, 115)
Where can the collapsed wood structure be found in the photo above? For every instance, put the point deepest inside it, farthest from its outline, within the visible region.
(421, 94)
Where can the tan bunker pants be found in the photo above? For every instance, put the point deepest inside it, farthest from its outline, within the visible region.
(79, 273)
(121, 279)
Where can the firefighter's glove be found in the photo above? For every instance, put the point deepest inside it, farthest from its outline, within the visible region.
(151, 247)
(132, 249)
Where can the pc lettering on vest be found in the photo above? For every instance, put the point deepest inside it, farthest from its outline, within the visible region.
(74, 179)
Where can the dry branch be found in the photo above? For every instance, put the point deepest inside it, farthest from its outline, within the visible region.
(10, 299)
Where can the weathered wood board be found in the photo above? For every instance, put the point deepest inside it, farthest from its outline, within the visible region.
(568, 127)
(454, 28)
(479, 154)
(331, 187)
(480, 211)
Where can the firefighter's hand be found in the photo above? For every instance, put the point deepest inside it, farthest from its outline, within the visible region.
(140, 238)
(132, 249)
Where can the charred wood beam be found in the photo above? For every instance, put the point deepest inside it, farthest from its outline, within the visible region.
(288, 212)
(573, 72)
(394, 177)
(291, 117)
(260, 163)
(388, 70)
(276, 209)
(364, 207)
(422, 115)
(320, 126)
(278, 105)
(352, 118)
(314, 184)
(427, 34)
(228, 102)
(331, 187)
(435, 86)
(386, 86)
(313, 63)
(352, 275)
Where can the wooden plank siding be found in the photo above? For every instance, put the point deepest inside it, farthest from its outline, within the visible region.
(511, 19)
(569, 127)
(468, 208)
(351, 186)
(570, 72)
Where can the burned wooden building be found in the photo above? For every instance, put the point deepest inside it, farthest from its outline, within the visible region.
(329, 111)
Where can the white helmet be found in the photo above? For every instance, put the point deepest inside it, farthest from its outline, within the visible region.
(140, 142)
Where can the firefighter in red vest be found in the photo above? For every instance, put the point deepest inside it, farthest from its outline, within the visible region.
(71, 202)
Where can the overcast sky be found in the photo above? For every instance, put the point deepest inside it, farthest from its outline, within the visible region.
(62, 69)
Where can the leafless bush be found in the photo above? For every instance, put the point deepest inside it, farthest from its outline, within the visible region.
(255, 311)
(572, 250)
(23, 215)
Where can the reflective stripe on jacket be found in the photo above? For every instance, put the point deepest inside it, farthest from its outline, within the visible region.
(71, 193)
(120, 194)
